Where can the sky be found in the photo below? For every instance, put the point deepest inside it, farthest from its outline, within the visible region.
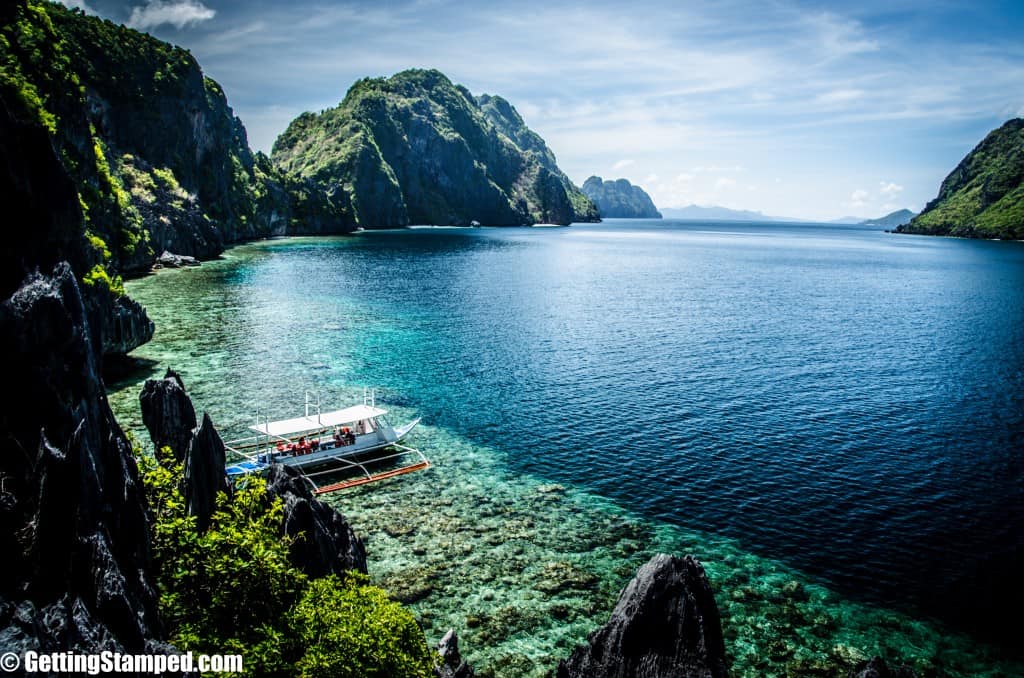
(802, 109)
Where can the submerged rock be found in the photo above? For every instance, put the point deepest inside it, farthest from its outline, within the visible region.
(324, 542)
(666, 623)
(877, 668)
(168, 414)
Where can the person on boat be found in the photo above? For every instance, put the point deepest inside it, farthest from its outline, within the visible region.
(302, 447)
(314, 445)
(337, 437)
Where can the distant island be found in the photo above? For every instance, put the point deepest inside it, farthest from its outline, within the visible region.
(697, 213)
(984, 196)
(620, 199)
(891, 220)
(713, 213)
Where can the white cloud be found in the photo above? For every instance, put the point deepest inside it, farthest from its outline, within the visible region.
(78, 4)
(622, 163)
(859, 198)
(825, 100)
(889, 189)
(839, 37)
(650, 178)
(724, 182)
(178, 13)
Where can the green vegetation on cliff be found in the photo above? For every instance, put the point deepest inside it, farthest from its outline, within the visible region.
(232, 589)
(159, 159)
(620, 199)
(984, 196)
(508, 122)
(417, 149)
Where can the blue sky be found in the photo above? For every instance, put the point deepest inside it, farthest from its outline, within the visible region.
(811, 110)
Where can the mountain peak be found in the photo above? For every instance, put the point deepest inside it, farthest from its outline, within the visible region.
(417, 148)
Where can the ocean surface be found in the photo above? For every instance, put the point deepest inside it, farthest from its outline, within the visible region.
(830, 417)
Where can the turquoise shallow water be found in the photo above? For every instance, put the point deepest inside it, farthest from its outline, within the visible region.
(830, 418)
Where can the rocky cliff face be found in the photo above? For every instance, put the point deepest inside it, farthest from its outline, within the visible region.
(72, 512)
(120, 324)
(508, 122)
(158, 158)
(984, 196)
(665, 624)
(417, 149)
(620, 199)
(72, 509)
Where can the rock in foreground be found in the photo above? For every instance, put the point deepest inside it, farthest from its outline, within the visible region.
(72, 510)
(666, 623)
(324, 541)
(168, 413)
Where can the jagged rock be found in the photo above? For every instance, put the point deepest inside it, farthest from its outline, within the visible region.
(452, 665)
(324, 541)
(204, 472)
(168, 414)
(877, 668)
(170, 417)
(120, 323)
(665, 623)
(169, 260)
(73, 518)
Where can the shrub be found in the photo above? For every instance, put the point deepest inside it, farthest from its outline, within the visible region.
(351, 629)
(232, 589)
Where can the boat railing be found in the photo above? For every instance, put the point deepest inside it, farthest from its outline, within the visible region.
(366, 476)
(260, 448)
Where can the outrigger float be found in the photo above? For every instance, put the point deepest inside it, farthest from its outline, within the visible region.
(329, 443)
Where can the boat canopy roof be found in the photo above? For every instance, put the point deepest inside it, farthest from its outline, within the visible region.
(287, 427)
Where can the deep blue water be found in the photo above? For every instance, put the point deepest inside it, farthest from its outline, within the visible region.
(844, 400)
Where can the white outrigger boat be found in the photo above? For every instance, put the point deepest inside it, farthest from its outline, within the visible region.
(325, 443)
